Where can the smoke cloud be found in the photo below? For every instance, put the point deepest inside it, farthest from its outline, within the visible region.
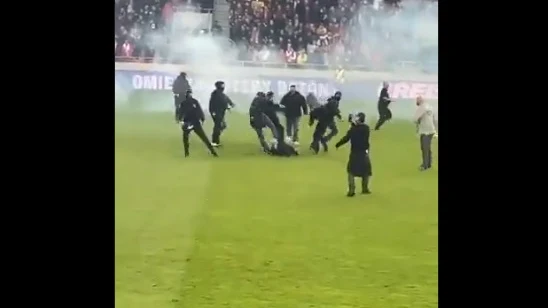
(189, 42)
(407, 34)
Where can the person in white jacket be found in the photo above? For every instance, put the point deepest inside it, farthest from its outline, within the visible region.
(426, 128)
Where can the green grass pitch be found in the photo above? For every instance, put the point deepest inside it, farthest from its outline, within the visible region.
(248, 231)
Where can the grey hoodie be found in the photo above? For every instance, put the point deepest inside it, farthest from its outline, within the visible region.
(312, 101)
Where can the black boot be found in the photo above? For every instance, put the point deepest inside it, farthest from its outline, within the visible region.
(365, 186)
(324, 145)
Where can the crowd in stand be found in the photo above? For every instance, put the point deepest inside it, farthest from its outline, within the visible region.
(333, 32)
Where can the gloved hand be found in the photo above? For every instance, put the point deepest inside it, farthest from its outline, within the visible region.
(187, 126)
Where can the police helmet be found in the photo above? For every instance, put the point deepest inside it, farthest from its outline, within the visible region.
(337, 95)
(269, 94)
(189, 92)
(182, 74)
(260, 94)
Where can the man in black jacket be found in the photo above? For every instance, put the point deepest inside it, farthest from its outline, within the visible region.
(259, 120)
(271, 111)
(359, 164)
(333, 106)
(322, 116)
(384, 112)
(179, 88)
(219, 103)
(191, 116)
(325, 115)
(295, 106)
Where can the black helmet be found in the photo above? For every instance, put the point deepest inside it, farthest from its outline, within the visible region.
(188, 92)
(269, 94)
(182, 74)
(337, 95)
(260, 94)
(360, 118)
(220, 84)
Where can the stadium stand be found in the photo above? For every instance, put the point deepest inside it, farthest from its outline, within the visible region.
(295, 33)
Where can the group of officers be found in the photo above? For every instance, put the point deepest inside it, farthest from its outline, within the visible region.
(263, 113)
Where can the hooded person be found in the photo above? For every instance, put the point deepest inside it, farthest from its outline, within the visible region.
(191, 118)
(179, 88)
(312, 101)
(219, 103)
(258, 120)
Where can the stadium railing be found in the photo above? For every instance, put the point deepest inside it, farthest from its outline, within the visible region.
(398, 65)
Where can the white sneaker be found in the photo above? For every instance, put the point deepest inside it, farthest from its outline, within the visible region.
(288, 139)
(214, 144)
(296, 143)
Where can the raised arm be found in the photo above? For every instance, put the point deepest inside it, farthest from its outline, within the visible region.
(344, 139)
(304, 106)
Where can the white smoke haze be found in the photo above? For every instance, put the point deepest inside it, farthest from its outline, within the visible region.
(409, 33)
(189, 42)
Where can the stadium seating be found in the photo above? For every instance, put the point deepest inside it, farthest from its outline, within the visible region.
(294, 32)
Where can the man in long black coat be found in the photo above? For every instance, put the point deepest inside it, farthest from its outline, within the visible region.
(359, 164)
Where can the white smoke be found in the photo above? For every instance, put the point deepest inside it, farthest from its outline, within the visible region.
(408, 33)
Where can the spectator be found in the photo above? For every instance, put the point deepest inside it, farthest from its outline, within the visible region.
(290, 54)
(302, 57)
(333, 32)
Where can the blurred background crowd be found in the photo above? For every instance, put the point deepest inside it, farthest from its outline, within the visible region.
(355, 34)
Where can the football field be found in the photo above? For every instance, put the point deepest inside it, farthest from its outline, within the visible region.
(247, 230)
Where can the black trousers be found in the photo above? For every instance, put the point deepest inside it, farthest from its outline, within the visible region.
(317, 136)
(258, 124)
(219, 126)
(292, 127)
(333, 131)
(384, 115)
(426, 150)
(176, 101)
(199, 131)
(276, 122)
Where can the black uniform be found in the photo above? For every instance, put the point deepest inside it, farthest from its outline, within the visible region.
(283, 149)
(191, 117)
(333, 106)
(219, 103)
(359, 164)
(179, 88)
(259, 120)
(323, 117)
(384, 112)
(271, 111)
(295, 106)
